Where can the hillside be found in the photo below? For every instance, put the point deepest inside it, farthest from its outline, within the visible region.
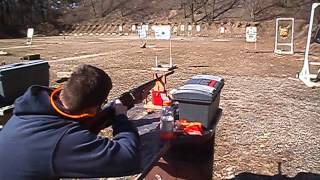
(187, 10)
(53, 16)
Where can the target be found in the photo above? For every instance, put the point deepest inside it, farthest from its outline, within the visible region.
(284, 42)
(251, 34)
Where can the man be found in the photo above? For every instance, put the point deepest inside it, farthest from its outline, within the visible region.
(48, 136)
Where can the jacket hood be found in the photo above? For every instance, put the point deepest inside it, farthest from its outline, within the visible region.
(35, 101)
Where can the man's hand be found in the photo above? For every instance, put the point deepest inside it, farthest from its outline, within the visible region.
(119, 108)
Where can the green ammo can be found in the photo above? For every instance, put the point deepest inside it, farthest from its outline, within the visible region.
(16, 78)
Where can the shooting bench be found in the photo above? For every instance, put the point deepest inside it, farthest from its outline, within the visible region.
(183, 158)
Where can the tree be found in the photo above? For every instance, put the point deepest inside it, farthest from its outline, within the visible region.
(21, 12)
(212, 8)
(253, 6)
(7, 8)
(204, 4)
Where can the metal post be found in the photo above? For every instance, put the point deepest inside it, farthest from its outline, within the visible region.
(292, 36)
(276, 40)
(171, 64)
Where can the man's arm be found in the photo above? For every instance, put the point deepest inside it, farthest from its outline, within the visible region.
(81, 153)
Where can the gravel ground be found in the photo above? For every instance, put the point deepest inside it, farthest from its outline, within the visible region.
(267, 121)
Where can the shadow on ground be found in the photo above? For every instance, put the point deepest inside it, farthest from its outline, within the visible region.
(299, 176)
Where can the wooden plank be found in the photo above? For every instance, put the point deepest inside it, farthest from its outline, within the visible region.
(64, 74)
(152, 107)
(313, 76)
(3, 53)
(164, 68)
(315, 63)
(31, 57)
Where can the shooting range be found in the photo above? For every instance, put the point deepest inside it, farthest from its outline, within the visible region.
(284, 38)
(242, 80)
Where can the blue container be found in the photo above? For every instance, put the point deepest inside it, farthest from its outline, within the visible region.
(16, 78)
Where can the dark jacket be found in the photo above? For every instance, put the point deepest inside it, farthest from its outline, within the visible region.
(37, 143)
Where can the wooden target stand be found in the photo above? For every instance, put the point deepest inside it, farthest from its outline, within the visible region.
(165, 67)
(158, 92)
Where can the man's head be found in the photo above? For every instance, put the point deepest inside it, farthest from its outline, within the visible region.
(87, 88)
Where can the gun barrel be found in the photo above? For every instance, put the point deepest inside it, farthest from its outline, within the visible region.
(138, 92)
(129, 99)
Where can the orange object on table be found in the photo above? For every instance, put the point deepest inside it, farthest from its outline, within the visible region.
(190, 128)
(159, 91)
(157, 97)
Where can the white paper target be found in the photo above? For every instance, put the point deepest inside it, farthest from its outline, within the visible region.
(145, 27)
(142, 33)
(163, 32)
(198, 28)
(251, 34)
(182, 28)
(133, 28)
(30, 32)
(222, 30)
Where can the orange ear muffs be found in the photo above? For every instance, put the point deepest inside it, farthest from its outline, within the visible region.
(56, 108)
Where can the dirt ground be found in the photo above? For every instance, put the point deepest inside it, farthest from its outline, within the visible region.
(269, 117)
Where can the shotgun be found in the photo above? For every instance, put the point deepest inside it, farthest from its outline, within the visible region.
(134, 96)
